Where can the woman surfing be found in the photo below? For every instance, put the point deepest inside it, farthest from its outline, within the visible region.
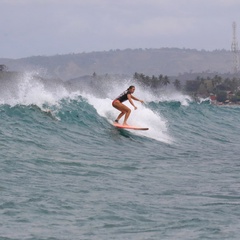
(118, 104)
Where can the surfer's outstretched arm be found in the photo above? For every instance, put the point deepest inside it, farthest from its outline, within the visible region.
(136, 99)
(129, 96)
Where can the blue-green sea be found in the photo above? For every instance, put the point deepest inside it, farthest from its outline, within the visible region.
(67, 173)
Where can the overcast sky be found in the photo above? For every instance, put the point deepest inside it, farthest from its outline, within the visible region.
(50, 27)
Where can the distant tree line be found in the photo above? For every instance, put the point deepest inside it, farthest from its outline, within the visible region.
(155, 82)
(217, 85)
(224, 88)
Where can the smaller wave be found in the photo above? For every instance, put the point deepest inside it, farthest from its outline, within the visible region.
(204, 100)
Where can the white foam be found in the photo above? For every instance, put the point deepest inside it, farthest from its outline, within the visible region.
(28, 90)
(143, 117)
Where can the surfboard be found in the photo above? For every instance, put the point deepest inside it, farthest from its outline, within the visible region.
(117, 125)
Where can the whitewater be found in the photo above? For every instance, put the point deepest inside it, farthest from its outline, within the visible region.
(68, 173)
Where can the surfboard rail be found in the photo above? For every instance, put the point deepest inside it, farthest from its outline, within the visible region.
(117, 125)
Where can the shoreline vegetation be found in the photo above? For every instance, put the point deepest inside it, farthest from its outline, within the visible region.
(221, 89)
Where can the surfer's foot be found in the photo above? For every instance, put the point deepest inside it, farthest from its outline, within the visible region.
(125, 124)
(116, 121)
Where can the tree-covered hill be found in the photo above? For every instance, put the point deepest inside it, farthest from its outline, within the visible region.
(166, 61)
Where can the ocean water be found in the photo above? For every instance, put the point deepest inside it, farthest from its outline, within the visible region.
(67, 173)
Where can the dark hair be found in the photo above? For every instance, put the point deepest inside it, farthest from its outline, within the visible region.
(131, 87)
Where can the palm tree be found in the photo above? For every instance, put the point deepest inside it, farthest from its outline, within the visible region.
(165, 81)
(136, 76)
(155, 82)
(177, 84)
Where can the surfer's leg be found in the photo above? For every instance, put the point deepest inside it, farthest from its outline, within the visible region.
(119, 116)
(124, 110)
(126, 116)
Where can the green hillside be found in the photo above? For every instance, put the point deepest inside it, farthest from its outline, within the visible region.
(166, 61)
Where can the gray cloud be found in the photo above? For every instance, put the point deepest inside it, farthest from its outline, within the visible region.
(48, 27)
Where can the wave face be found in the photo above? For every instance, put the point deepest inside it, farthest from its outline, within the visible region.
(67, 173)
